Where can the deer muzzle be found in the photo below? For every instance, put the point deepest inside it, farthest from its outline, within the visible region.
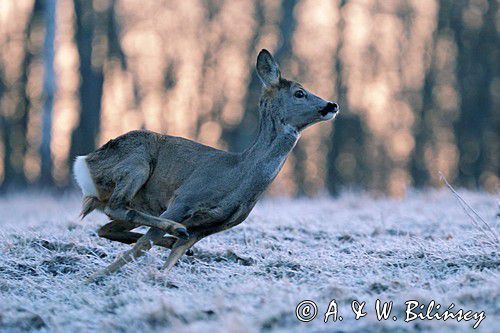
(329, 110)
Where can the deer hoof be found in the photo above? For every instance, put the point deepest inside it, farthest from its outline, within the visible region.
(181, 233)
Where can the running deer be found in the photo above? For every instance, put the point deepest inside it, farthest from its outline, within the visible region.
(188, 190)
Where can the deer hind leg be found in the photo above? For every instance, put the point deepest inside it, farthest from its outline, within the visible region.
(125, 191)
(120, 231)
(117, 209)
(142, 246)
(139, 218)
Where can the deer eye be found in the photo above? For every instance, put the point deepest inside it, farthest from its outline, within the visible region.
(299, 94)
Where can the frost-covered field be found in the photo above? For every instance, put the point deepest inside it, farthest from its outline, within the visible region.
(251, 278)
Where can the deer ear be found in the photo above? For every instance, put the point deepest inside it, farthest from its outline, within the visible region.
(267, 68)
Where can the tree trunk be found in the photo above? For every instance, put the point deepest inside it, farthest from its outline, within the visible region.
(14, 127)
(477, 63)
(84, 137)
(49, 87)
(240, 137)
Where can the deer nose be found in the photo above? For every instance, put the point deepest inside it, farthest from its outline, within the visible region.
(330, 107)
(334, 107)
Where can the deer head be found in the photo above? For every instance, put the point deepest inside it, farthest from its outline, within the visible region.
(288, 101)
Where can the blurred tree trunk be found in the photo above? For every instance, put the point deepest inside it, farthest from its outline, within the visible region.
(283, 56)
(14, 126)
(4, 131)
(423, 130)
(83, 139)
(49, 87)
(346, 163)
(239, 137)
(115, 49)
(286, 28)
(477, 66)
(334, 181)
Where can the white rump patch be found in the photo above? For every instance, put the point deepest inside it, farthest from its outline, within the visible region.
(83, 178)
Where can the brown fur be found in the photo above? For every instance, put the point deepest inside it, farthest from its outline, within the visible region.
(136, 154)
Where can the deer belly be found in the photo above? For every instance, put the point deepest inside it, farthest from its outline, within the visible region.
(217, 218)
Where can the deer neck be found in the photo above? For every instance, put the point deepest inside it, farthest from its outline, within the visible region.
(273, 143)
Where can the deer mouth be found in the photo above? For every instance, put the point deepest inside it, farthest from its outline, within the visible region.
(329, 110)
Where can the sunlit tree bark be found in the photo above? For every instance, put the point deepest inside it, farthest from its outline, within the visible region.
(14, 125)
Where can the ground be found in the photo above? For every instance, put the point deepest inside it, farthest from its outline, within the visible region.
(251, 278)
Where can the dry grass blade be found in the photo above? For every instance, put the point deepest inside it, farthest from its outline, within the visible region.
(468, 209)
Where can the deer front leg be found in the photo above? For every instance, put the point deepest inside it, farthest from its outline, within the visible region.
(178, 250)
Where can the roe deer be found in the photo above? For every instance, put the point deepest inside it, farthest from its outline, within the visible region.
(189, 190)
